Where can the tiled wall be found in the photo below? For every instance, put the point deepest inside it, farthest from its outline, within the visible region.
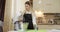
(47, 6)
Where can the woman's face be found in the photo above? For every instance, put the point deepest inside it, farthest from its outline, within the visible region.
(27, 7)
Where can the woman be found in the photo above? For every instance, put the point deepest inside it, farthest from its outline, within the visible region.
(29, 16)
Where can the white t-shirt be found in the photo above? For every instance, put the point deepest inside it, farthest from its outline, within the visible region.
(27, 12)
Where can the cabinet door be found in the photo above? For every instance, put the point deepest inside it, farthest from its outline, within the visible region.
(2, 7)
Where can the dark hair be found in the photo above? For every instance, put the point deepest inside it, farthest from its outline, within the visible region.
(28, 2)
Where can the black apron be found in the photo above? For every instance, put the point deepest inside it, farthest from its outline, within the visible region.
(28, 18)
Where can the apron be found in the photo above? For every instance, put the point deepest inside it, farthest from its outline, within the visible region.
(28, 18)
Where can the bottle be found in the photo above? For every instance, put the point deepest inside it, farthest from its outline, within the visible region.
(35, 28)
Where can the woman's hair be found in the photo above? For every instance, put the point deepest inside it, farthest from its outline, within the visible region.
(28, 2)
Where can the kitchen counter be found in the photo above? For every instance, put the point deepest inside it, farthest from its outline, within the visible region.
(42, 30)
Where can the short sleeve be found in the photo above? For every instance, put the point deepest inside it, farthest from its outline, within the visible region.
(34, 18)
